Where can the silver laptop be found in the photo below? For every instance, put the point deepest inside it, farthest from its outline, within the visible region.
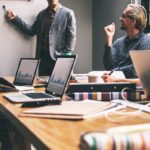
(141, 62)
(25, 74)
(56, 85)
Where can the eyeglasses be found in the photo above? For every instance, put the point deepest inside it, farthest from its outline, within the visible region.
(125, 16)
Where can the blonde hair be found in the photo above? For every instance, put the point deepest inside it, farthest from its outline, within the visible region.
(138, 13)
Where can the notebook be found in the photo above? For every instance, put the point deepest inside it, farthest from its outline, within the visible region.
(74, 110)
(56, 85)
(141, 61)
(24, 76)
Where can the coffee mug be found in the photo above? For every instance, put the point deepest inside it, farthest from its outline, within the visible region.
(94, 78)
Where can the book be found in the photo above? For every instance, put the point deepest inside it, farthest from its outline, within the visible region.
(106, 96)
(74, 110)
(130, 129)
(123, 137)
(101, 87)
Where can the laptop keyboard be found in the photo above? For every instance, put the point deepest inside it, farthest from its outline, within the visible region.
(49, 100)
(38, 95)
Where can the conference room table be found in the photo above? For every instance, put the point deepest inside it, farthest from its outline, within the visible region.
(46, 133)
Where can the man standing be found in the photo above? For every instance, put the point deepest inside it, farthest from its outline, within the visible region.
(55, 28)
(116, 55)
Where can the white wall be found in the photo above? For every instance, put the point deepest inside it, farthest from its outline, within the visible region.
(14, 44)
(83, 12)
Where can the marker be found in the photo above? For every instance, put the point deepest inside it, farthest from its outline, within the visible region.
(110, 72)
(4, 7)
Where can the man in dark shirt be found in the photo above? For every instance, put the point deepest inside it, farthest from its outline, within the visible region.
(55, 28)
(5, 133)
(116, 55)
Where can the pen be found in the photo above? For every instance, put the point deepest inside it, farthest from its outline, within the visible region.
(5, 9)
(110, 72)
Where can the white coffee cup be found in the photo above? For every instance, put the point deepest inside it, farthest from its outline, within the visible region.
(94, 78)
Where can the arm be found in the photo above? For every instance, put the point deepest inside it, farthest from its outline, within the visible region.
(111, 56)
(107, 59)
(112, 60)
(108, 78)
(109, 31)
(17, 21)
(71, 32)
(128, 70)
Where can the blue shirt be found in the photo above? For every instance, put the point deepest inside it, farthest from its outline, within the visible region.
(117, 56)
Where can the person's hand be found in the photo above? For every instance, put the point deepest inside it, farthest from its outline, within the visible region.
(10, 15)
(108, 78)
(40, 81)
(110, 31)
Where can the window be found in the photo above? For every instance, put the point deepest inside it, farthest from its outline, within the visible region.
(136, 1)
(146, 4)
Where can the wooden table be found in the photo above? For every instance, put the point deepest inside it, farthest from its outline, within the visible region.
(60, 134)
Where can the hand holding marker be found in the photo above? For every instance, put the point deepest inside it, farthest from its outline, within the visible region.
(110, 72)
(9, 14)
(105, 75)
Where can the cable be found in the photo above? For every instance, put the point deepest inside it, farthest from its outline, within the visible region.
(127, 114)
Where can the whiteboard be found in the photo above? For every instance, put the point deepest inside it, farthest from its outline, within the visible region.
(13, 43)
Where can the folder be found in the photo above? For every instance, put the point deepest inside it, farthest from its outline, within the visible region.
(76, 110)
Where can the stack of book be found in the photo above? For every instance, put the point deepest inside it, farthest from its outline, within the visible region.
(106, 96)
(119, 138)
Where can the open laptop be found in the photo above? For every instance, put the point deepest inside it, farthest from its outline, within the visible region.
(56, 85)
(141, 61)
(25, 74)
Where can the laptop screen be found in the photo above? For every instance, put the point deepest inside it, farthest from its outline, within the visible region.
(61, 75)
(141, 61)
(26, 71)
